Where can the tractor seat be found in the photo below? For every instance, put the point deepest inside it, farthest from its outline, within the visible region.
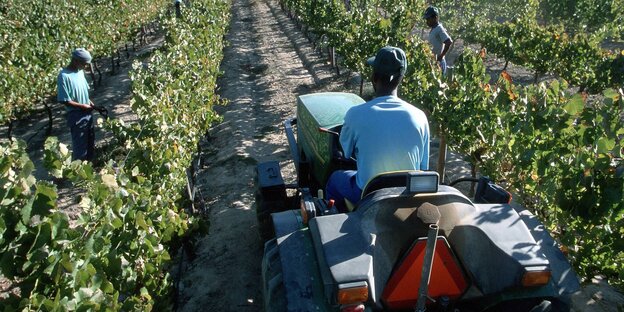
(381, 181)
(385, 180)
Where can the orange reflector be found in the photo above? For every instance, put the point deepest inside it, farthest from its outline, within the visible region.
(352, 293)
(535, 278)
(304, 212)
(448, 280)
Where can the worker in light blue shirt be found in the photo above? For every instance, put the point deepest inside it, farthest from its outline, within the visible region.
(384, 134)
(73, 92)
(438, 36)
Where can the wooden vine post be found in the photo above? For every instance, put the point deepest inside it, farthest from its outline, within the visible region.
(92, 72)
(97, 68)
(10, 130)
(361, 84)
(112, 62)
(50, 117)
(441, 165)
(335, 59)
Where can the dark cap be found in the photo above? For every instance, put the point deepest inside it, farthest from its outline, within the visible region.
(82, 55)
(389, 61)
(431, 11)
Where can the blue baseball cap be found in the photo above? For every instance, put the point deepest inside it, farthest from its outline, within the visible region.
(82, 54)
(431, 11)
(389, 61)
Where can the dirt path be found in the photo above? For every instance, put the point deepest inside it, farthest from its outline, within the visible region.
(266, 65)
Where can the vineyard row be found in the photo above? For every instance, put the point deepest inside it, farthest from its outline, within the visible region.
(117, 256)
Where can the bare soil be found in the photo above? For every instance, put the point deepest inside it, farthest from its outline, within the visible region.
(267, 64)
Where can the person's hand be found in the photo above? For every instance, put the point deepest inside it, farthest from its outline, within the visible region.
(87, 107)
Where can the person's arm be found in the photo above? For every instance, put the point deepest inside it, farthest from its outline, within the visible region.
(446, 45)
(347, 136)
(347, 141)
(446, 40)
(85, 107)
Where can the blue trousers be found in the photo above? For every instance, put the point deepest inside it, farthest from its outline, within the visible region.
(342, 185)
(83, 134)
(443, 66)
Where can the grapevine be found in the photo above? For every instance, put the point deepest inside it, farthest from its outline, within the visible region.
(117, 256)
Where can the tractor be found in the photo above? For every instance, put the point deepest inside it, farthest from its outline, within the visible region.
(410, 243)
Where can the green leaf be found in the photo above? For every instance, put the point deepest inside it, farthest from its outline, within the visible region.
(117, 223)
(605, 145)
(145, 293)
(67, 263)
(45, 199)
(107, 287)
(575, 104)
(27, 169)
(59, 224)
(611, 94)
(140, 221)
(27, 210)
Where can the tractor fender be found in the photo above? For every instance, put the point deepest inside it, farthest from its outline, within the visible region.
(563, 275)
(299, 271)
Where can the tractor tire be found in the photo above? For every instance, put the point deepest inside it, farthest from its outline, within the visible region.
(273, 289)
(264, 209)
(562, 304)
(517, 305)
(544, 306)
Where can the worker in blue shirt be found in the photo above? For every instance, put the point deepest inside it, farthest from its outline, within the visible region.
(73, 92)
(438, 36)
(384, 134)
